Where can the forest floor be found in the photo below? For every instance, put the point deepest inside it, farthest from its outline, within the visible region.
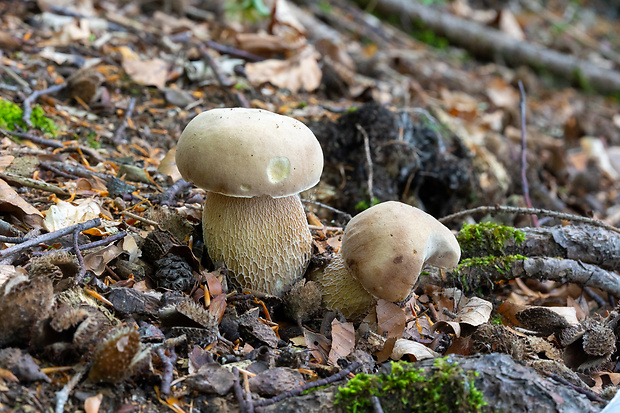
(501, 119)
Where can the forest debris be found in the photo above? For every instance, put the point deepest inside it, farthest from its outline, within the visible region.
(488, 42)
(211, 378)
(300, 72)
(343, 341)
(10, 199)
(65, 214)
(153, 72)
(21, 364)
(276, 381)
(416, 351)
(254, 332)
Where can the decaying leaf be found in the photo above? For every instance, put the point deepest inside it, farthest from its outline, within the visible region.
(10, 201)
(300, 71)
(416, 351)
(343, 341)
(147, 72)
(96, 261)
(65, 214)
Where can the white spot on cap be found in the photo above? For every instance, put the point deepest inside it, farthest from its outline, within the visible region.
(245, 188)
(278, 169)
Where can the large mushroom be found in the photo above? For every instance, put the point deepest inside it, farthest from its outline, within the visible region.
(383, 251)
(253, 163)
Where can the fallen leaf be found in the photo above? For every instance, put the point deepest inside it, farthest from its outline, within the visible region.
(509, 25)
(168, 166)
(298, 72)
(318, 345)
(96, 261)
(11, 202)
(147, 72)
(502, 94)
(64, 214)
(391, 319)
(416, 351)
(343, 341)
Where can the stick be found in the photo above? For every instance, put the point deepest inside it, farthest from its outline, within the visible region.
(33, 183)
(63, 395)
(168, 361)
(345, 215)
(526, 188)
(239, 391)
(233, 51)
(224, 82)
(36, 139)
(89, 246)
(118, 135)
(368, 162)
(34, 96)
(525, 211)
(171, 193)
(80, 257)
(83, 226)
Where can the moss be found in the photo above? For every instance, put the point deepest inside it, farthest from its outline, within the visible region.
(444, 388)
(11, 115)
(487, 238)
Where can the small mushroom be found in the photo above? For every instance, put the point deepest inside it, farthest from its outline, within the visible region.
(253, 163)
(383, 251)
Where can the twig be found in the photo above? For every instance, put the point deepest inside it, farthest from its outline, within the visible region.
(57, 171)
(33, 183)
(168, 362)
(36, 139)
(249, 403)
(239, 391)
(233, 51)
(526, 187)
(89, 246)
(597, 298)
(345, 215)
(526, 211)
(139, 218)
(63, 395)
(12, 240)
(79, 170)
(376, 404)
(368, 162)
(223, 81)
(83, 226)
(171, 193)
(17, 78)
(118, 135)
(80, 257)
(323, 382)
(34, 96)
(588, 393)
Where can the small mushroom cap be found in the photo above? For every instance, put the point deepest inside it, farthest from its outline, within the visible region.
(386, 247)
(249, 152)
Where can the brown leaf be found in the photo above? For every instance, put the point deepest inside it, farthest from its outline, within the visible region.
(298, 72)
(11, 202)
(343, 341)
(391, 319)
(148, 72)
(417, 351)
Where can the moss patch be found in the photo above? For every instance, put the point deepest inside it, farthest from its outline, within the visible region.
(444, 388)
(11, 115)
(487, 238)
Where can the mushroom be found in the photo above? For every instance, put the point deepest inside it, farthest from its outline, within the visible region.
(253, 163)
(383, 251)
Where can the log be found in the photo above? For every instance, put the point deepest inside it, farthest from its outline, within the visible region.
(490, 43)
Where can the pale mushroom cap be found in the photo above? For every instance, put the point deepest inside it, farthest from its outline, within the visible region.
(249, 152)
(386, 247)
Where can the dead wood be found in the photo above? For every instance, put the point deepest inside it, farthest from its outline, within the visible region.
(490, 43)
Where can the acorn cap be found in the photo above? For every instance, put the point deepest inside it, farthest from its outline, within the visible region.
(386, 247)
(249, 152)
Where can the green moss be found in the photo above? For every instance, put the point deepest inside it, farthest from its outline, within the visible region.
(487, 237)
(11, 115)
(364, 205)
(444, 388)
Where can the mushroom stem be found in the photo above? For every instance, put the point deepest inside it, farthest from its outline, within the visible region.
(264, 241)
(341, 291)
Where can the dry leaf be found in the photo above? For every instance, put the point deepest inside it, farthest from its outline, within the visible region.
(391, 319)
(11, 202)
(64, 214)
(148, 72)
(318, 345)
(343, 341)
(97, 261)
(509, 25)
(473, 312)
(168, 166)
(10, 271)
(416, 351)
(502, 94)
(298, 72)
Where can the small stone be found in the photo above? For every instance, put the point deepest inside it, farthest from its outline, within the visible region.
(275, 381)
(211, 378)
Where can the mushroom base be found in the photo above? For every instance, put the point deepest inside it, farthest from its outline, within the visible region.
(264, 241)
(341, 291)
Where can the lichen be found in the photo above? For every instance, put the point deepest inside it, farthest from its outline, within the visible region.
(11, 115)
(487, 238)
(444, 388)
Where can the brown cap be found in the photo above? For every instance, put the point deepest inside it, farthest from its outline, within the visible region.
(386, 247)
(249, 152)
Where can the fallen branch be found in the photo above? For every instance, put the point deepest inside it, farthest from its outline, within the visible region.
(32, 138)
(168, 362)
(526, 187)
(33, 183)
(490, 43)
(171, 193)
(83, 226)
(34, 96)
(526, 211)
